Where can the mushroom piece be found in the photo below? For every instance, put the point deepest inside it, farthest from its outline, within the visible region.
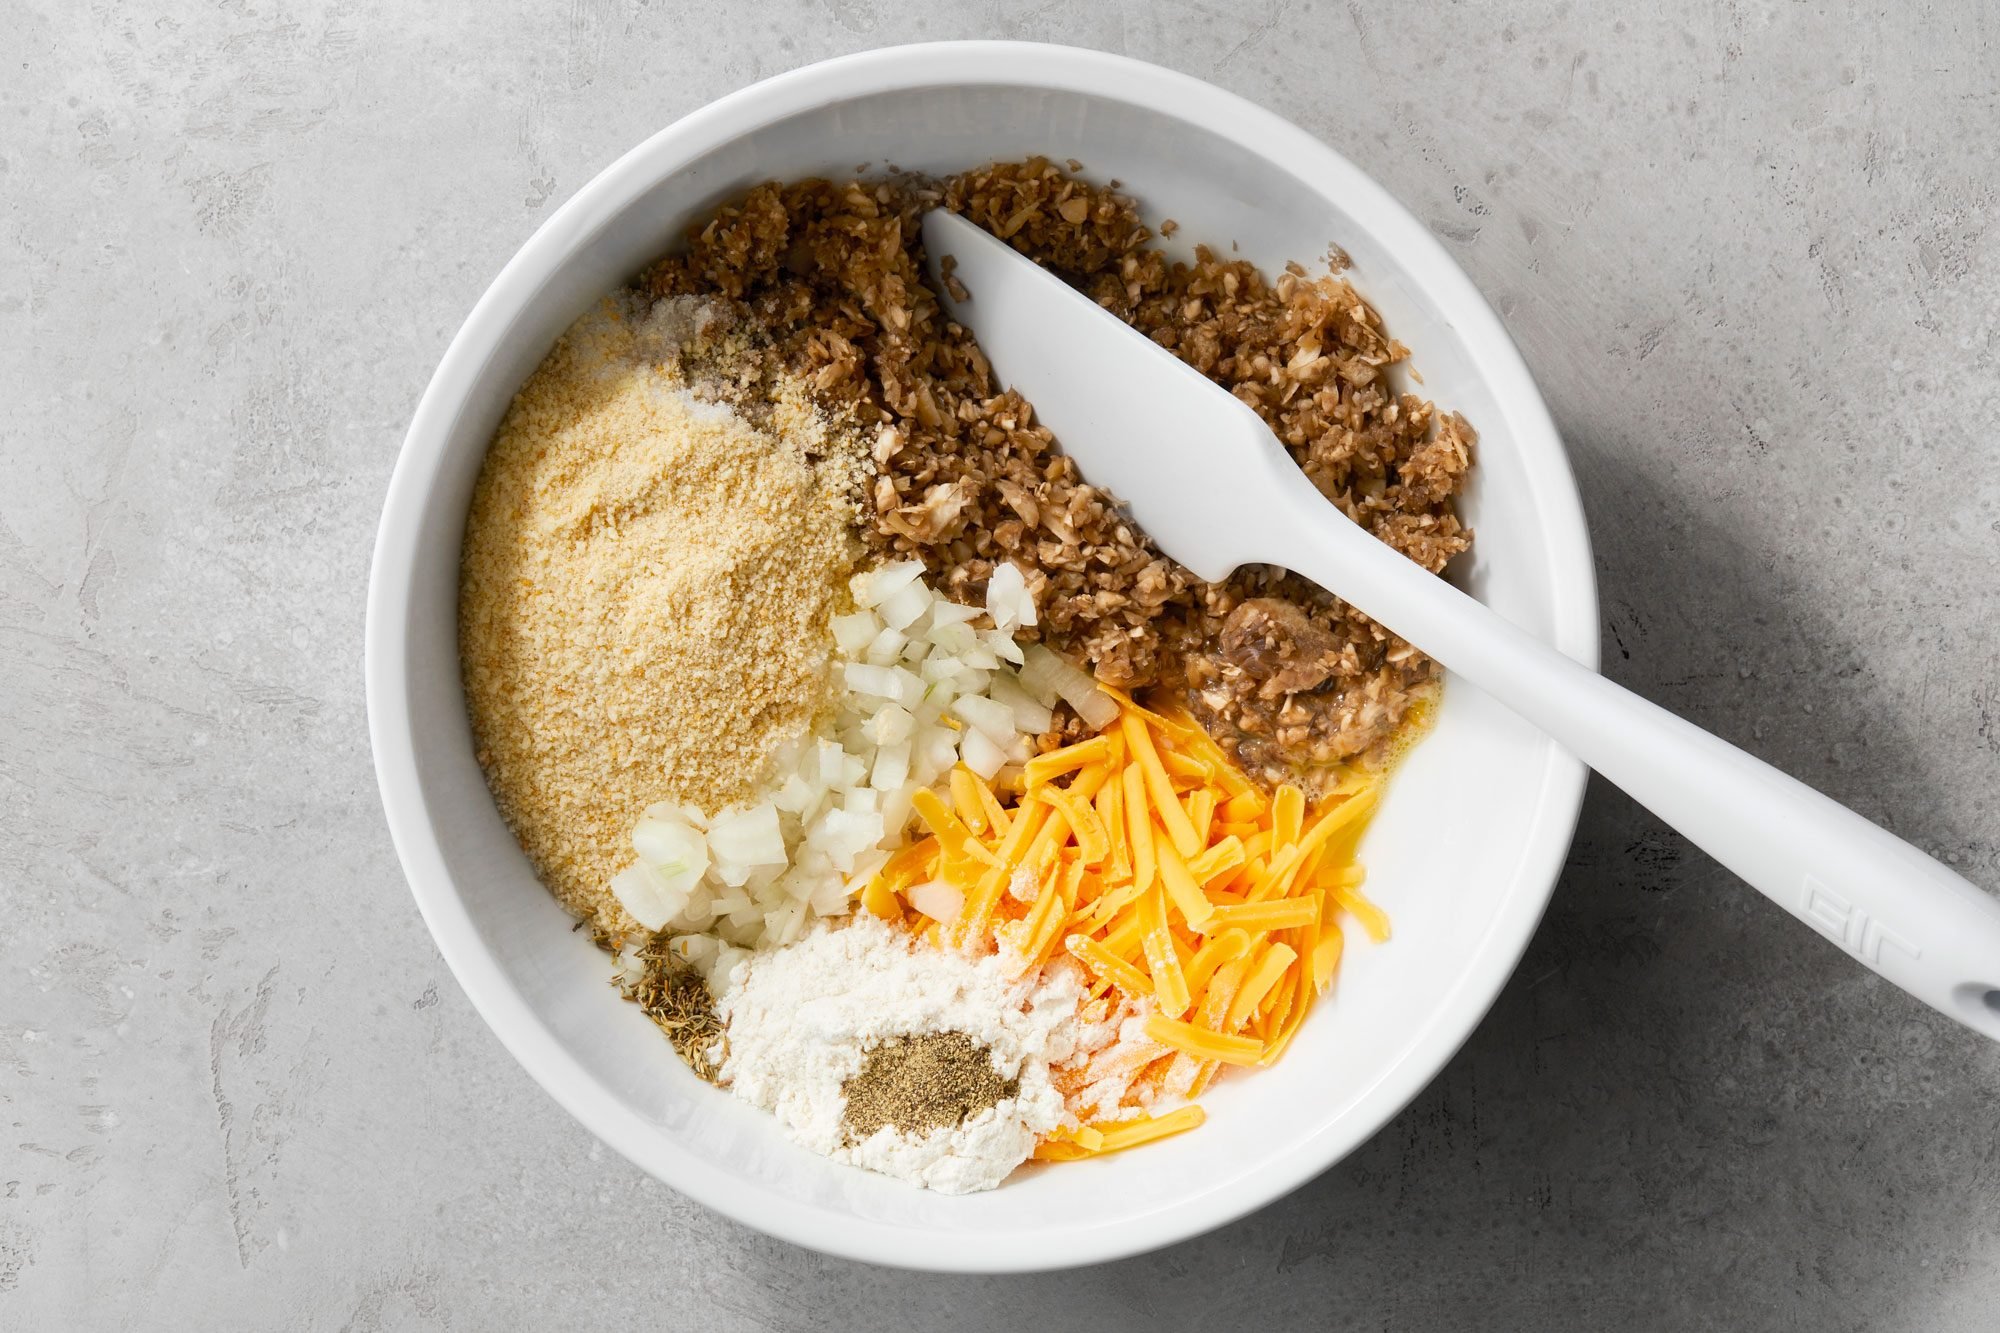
(1275, 644)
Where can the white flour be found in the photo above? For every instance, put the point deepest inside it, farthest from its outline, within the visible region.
(803, 1018)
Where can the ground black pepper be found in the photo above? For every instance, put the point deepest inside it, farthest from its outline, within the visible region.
(916, 1084)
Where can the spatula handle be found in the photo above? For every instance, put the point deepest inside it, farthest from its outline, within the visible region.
(1887, 904)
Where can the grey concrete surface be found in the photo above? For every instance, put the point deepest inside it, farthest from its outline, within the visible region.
(1748, 248)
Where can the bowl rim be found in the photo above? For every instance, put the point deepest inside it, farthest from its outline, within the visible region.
(1061, 1243)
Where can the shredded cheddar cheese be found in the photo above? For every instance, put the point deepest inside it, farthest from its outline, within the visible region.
(1148, 858)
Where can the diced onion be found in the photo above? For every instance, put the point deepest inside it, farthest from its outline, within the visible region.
(1030, 715)
(686, 814)
(853, 633)
(642, 893)
(909, 687)
(696, 914)
(938, 668)
(878, 681)
(1045, 668)
(980, 754)
(727, 960)
(1039, 671)
(891, 723)
(897, 808)
(677, 854)
(829, 759)
(830, 898)
(749, 836)
(905, 606)
(844, 835)
(892, 767)
(1002, 646)
(938, 752)
(886, 647)
(695, 948)
(945, 612)
(1008, 600)
(875, 586)
(990, 716)
(937, 900)
(784, 924)
(954, 639)
(1097, 709)
(869, 866)
(795, 795)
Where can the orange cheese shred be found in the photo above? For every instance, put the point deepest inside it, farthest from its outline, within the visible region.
(1213, 953)
(996, 815)
(1244, 807)
(1110, 803)
(880, 899)
(1264, 974)
(1146, 857)
(1109, 965)
(965, 800)
(1201, 814)
(1172, 817)
(1326, 954)
(1092, 839)
(1117, 1135)
(1048, 767)
(1288, 812)
(1162, 961)
(1181, 729)
(1217, 860)
(1138, 826)
(1372, 918)
(1203, 1043)
(1182, 890)
(1283, 914)
(952, 834)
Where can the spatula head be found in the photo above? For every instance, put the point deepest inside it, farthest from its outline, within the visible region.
(1198, 468)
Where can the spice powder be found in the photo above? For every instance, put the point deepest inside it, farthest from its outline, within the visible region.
(916, 1084)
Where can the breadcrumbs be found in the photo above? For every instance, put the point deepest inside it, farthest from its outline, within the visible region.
(646, 583)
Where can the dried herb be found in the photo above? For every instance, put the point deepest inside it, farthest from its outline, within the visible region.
(915, 1084)
(674, 996)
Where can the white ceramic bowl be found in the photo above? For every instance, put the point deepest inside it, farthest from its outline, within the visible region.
(1463, 854)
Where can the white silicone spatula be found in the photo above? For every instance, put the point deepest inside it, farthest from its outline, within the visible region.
(1207, 479)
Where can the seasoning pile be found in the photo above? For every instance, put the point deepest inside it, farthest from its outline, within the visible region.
(922, 801)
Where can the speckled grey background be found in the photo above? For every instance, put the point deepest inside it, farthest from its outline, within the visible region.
(1747, 247)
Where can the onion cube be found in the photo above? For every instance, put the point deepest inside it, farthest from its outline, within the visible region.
(645, 897)
(981, 754)
(873, 587)
(750, 836)
(988, 715)
(892, 767)
(886, 648)
(904, 606)
(937, 900)
(853, 633)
